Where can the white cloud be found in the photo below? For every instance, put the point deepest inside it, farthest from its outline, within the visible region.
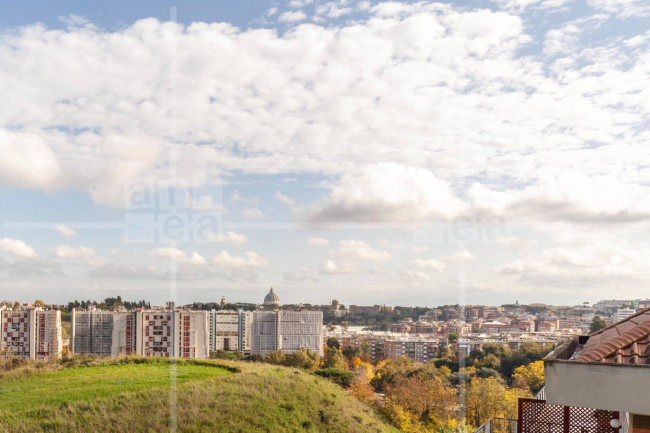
(622, 8)
(28, 161)
(412, 275)
(253, 214)
(178, 256)
(250, 260)
(516, 243)
(461, 256)
(17, 248)
(421, 249)
(65, 231)
(434, 264)
(292, 16)
(474, 108)
(570, 196)
(334, 9)
(80, 253)
(300, 3)
(284, 199)
(522, 5)
(230, 238)
(608, 263)
(389, 192)
(330, 267)
(318, 242)
(205, 203)
(359, 250)
(238, 198)
(385, 243)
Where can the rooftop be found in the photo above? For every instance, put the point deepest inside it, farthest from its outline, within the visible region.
(625, 342)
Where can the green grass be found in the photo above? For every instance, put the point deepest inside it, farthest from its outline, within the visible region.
(130, 397)
(86, 383)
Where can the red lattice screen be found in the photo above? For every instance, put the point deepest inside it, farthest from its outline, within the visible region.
(535, 416)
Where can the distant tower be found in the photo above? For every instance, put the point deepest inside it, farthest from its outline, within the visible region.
(223, 301)
(272, 299)
(336, 305)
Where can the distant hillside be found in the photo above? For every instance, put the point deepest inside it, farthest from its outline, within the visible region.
(134, 395)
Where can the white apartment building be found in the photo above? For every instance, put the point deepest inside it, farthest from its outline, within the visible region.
(155, 333)
(193, 333)
(265, 336)
(102, 332)
(182, 334)
(622, 314)
(31, 334)
(608, 306)
(231, 330)
(288, 331)
(300, 330)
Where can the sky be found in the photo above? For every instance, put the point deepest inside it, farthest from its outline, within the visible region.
(399, 153)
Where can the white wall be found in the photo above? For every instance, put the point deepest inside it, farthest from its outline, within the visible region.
(618, 387)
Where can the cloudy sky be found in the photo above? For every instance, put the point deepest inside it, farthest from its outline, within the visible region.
(408, 153)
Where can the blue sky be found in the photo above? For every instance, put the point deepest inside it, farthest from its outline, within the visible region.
(412, 153)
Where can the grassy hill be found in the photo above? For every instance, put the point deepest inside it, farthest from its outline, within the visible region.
(136, 395)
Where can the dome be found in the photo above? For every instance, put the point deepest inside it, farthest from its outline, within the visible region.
(271, 298)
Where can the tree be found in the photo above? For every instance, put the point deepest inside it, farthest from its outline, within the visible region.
(427, 399)
(343, 378)
(491, 361)
(365, 351)
(277, 357)
(304, 358)
(453, 337)
(39, 303)
(597, 324)
(333, 343)
(530, 377)
(350, 352)
(363, 373)
(484, 400)
(335, 359)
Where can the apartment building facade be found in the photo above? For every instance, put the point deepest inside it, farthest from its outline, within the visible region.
(288, 331)
(231, 330)
(31, 334)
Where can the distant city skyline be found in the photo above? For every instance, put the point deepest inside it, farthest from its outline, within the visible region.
(398, 153)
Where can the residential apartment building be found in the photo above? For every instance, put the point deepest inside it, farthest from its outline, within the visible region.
(421, 351)
(265, 336)
(91, 332)
(503, 328)
(193, 334)
(301, 329)
(183, 334)
(124, 336)
(31, 334)
(155, 333)
(288, 331)
(609, 306)
(231, 330)
(622, 314)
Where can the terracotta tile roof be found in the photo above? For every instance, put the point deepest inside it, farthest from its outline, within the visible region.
(625, 342)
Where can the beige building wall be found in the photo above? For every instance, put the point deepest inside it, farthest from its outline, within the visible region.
(125, 328)
(192, 334)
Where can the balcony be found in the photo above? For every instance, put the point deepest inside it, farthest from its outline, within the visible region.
(611, 386)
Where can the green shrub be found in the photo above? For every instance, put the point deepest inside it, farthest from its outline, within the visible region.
(340, 377)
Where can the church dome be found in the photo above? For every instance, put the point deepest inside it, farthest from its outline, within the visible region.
(271, 298)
